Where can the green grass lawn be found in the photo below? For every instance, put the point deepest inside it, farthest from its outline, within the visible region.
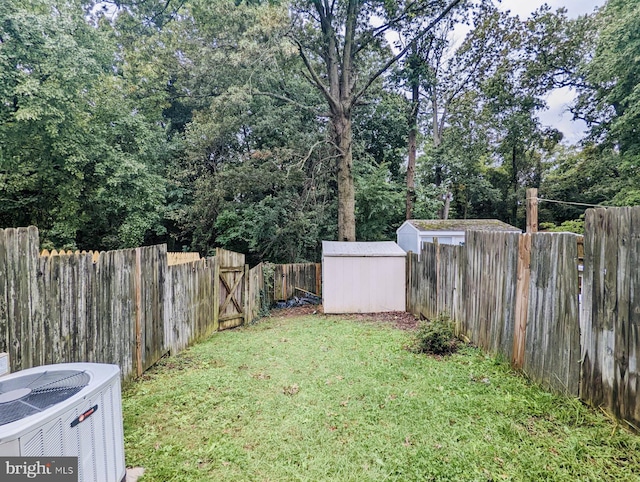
(322, 398)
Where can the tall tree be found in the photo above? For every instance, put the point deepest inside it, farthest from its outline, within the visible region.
(77, 157)
(334, 39)
(608, 80)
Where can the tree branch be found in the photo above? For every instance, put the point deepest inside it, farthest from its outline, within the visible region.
(401, 54)
(382, 29)
(286, 99)
(316, 80)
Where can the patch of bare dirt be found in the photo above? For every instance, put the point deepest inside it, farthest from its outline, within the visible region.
(297, 311)
(398, 319)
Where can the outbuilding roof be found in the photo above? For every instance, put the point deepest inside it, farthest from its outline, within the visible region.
(460, 225)
(361, 249)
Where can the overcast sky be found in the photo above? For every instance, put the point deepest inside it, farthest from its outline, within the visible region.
(557, 115)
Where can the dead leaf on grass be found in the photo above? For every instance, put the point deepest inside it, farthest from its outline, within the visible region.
(261, 376)
(291, 389)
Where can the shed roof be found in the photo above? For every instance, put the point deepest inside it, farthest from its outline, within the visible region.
(460, 225)
(362, 249)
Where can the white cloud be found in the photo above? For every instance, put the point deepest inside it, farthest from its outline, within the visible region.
(559, 117)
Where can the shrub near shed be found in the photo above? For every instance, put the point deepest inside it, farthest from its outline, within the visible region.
(435, 337)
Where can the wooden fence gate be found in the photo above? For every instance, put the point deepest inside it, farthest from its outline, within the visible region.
(231, 287)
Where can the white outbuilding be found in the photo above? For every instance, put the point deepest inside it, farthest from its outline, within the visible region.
(363, 277)
(414, 232)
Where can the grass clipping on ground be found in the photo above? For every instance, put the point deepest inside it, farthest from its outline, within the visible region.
(322, 398)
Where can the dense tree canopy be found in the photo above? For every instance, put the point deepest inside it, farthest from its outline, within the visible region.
(266, 127)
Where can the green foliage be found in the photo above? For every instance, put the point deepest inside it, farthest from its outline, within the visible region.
(379, 203)
(264, 205)
(77, 157)
(486, 144)
(610, 89)
(266, 296)
(380, 127)
(573, 226)
(435, 337)
(191, 122)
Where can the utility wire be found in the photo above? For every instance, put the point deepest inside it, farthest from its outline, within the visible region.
(570, 202)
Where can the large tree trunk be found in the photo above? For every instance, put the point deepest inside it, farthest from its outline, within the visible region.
(514, 182)
(447, 203)
(340, 44)
(346, 186)
(411, 163)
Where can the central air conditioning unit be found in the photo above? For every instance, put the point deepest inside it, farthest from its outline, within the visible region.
(65, 410)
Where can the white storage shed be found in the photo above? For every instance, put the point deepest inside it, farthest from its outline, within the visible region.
(363, 277)
(414, 232)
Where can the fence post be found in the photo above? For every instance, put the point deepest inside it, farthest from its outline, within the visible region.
(438, 307)
(216, 292)
(246, 304)
(139, 312)
(532, 210)
(319, 279)
(408, 284)
(522, 299)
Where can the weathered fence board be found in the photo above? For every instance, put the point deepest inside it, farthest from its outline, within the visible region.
(4, 291)
(297, 279)
(256, 295)
(190, 295)
(490, 289)
(611, 311)
(523, 279)
(552, 342)
(450, 273)
(422, 283)
(18, 278)
(174, 258)
(151, 281)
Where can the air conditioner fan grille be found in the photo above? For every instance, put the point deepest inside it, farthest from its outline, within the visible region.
(34, 393)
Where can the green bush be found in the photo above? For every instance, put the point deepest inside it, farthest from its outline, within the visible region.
(435, 337)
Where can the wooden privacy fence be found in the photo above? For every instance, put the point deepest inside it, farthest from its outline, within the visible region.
(510, 293)
(298, 279)
(519, 295)
(174, 258)
(611, 312)
(128, 307)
